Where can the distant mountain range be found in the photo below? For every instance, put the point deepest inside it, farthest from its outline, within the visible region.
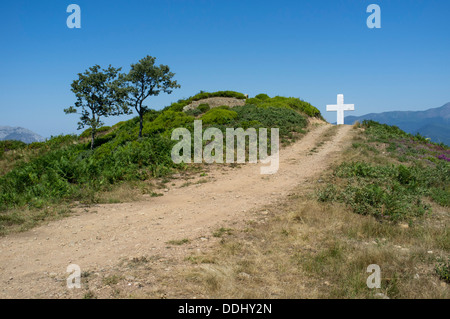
(433, 123)
(19, 134)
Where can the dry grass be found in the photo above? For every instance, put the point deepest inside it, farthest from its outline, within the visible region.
(13, 158)
(125, 192)
(311, 250)
(22, 219)
(325, 137)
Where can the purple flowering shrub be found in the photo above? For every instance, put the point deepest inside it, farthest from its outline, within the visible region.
(443, 157)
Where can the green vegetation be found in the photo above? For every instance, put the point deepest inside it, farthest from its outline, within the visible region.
(443, 270)
(222, 231)
(263, 100)
(396, 190)
(87, 133)
(100, 93)
(219, 116)
(403, 146)
(65, 168)
(6, 146)
(321, 249)
(111, 280)
(179, 242)
(204, 107)
(145, 79)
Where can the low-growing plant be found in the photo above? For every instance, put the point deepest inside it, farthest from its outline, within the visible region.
(218, 116)
(204, 107)
(443, 269)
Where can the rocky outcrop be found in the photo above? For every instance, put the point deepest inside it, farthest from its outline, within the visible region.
(215, 102)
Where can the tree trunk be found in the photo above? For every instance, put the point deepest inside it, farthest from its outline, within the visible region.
(93, 130)
(141, 124)
(141, 119)
(92, 138)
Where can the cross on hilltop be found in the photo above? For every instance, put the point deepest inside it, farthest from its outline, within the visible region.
(340, 107)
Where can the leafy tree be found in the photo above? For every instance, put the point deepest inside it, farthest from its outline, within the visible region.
(100, 93)
(147, 79)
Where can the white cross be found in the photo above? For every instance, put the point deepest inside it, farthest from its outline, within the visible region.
(340, 107)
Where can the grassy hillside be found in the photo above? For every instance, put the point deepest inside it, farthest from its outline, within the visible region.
(36, 178)
(392, 190)
(385, 202)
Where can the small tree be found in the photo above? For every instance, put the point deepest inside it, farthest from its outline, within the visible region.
(99, 93)
(147, 79)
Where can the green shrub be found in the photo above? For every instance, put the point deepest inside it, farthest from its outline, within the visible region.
(6, 146)
(150, 116)
(443, 270)
(286, 120)
(387, 191)
(262, 97)
(166, 121)
(204, 107)
(205, 95)
(194, 112)
(218, 116)
(253, 101)
(68, 172)
(264, 101)
(441, 195)
(12, 145)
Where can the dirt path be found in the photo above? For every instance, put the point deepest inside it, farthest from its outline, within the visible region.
(100, 237)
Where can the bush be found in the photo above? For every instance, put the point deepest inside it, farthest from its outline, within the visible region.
(253, 101)
(68, 172)
(286, 120)
(205, 95)
(218, 116)
(387, 191)
(12, 145)
(443, 270)
(166, 121)
(262, 97)
(264, 101)
(204, 107)
(6, 146)
(194, 112)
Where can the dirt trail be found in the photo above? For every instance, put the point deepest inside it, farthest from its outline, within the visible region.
(100, 237)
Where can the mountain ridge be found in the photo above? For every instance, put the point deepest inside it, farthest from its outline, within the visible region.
(19, 134)
(433, 123)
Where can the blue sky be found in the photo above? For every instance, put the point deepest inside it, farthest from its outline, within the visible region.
(308, 49)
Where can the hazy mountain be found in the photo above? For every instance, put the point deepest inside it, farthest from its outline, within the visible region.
(19, 134)
(433, 123)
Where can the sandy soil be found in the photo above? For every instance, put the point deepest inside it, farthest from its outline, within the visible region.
(33, 264)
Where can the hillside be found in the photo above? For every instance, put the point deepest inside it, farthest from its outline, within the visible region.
(433, 123)
(227, 231)
(140, 226)
(64, 168)
(19, 134)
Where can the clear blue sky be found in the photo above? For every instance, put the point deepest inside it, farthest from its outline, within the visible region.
(308, 49)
